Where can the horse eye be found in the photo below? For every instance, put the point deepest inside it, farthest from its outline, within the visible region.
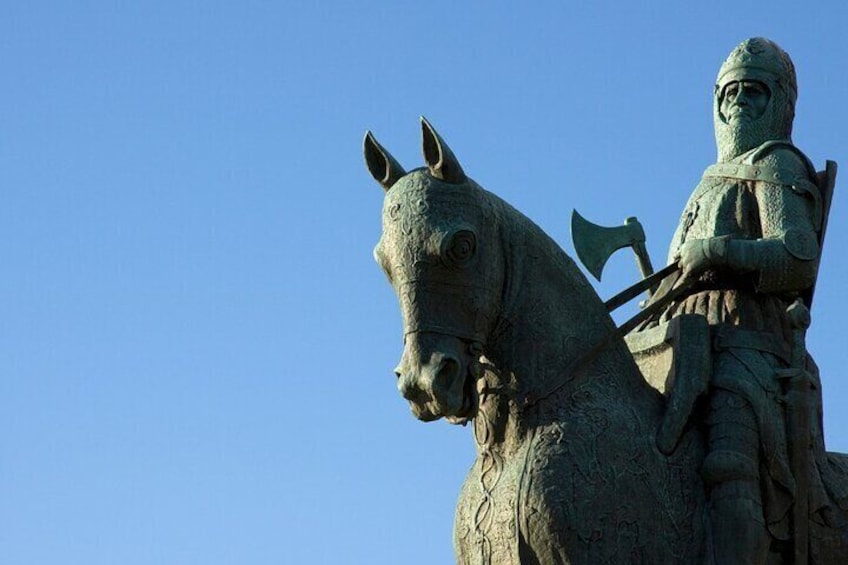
(459, 247)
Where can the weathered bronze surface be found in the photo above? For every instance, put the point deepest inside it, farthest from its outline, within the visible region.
(698, 438)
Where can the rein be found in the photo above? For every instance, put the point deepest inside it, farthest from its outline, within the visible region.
(583, 362)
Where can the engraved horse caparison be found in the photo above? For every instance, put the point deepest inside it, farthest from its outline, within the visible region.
(496, 313)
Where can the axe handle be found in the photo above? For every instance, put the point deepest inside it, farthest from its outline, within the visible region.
(643, 260)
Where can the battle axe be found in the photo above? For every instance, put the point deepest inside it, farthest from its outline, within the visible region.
(595, 244)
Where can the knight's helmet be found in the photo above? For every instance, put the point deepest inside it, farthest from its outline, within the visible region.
(761, 60)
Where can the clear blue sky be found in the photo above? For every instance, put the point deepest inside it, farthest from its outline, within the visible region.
(195, 344)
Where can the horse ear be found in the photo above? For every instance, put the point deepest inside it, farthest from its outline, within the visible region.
(439, 157)
(383, 167)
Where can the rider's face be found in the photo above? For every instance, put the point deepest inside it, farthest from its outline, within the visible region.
(744, 100)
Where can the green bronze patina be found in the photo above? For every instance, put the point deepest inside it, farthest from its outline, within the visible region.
(748, 246)
(695, 440)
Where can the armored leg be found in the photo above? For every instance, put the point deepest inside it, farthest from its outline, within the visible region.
(731, 472)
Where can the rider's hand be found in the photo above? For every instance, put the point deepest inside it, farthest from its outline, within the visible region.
(692, 258)
(697, 255)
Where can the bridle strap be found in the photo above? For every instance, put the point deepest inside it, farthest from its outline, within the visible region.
(475, 346)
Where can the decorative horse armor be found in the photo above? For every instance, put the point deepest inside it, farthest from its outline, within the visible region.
(496, 317)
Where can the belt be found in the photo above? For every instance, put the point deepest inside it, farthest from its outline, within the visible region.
(733, 337)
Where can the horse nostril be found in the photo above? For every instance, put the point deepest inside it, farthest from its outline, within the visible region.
(407, 388)
(447, 373)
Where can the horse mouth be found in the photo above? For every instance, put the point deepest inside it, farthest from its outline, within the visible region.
(470, 398)
(457, 407)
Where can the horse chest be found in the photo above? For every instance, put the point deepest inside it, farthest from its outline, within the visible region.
(486, 529)
(507, 502)
(560, 498)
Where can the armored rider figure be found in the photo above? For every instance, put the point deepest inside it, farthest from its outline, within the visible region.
(748, 241)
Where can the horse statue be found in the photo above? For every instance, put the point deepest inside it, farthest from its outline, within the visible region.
(495, 316)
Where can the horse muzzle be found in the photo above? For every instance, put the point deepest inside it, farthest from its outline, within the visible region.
(436, 375)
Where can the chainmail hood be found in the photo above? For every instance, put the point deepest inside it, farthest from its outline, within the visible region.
(761, 60)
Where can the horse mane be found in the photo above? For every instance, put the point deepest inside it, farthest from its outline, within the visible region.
(549, 305)
(523, 235)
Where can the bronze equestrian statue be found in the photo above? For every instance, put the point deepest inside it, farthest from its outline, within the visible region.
(582, 457)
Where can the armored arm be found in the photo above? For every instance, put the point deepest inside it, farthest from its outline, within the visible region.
(784, 256)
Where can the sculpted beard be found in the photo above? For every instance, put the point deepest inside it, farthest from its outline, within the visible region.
(736, 138)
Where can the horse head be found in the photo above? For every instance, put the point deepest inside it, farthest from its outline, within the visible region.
(440, 249)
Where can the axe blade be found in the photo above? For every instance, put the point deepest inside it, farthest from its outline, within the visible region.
(595, 244)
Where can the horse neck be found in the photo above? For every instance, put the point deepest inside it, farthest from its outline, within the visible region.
(550, 317)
